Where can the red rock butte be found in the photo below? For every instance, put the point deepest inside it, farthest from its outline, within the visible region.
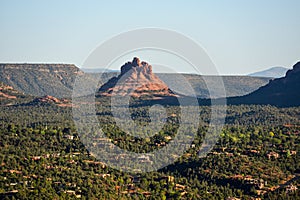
(136, 79)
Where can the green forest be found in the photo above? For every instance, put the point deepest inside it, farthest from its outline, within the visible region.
(256, 156)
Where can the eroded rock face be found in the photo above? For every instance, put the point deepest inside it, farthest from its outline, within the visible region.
(136, 79)
(53, 100)
(7, 92)
(47, 99)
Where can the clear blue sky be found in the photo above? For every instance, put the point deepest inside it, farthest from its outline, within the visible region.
(240, 36)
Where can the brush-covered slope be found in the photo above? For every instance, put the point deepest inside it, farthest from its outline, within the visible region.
(40, 79)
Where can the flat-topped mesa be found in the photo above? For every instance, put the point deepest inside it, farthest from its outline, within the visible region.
(136, 79)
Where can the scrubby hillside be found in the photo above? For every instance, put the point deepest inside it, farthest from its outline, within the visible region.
(40, 79)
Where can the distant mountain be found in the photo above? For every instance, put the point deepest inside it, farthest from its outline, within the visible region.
(274, 72)
(283, 92)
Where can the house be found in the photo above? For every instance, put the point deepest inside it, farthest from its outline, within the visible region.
(169, 179)
(49, 167)
(13, 171)
(257, 183)
(273, 154)
(179, 187)
(46, 155)
(103, 175)
(168, 137)
(56, 155)
(237, 176)
(70, 192)
(183, 193)
(35, 158)
(253, 151)
(291, 188)
(228, 154)
(69, 137)
(146, 194)
(261, 192)
(72, 162)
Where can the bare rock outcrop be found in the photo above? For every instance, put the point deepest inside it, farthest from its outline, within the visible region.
(136, 79)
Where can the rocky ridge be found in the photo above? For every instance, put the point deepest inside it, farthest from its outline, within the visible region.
(283, 92)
